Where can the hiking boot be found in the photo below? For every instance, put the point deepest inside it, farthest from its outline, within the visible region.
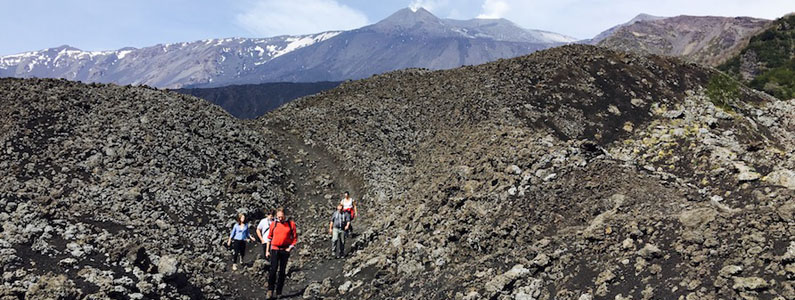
(234, 267)
(269, 295)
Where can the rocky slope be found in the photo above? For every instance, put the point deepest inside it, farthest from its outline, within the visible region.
(607, 33)
(124, 193)
(250, 101)
(706, 40)
(572, 173)
(768, 62)
(408, 38)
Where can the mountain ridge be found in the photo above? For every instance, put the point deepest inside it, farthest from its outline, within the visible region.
(702, 39)
(217, 62)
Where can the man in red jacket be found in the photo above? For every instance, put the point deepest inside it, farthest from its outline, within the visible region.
(283, 237)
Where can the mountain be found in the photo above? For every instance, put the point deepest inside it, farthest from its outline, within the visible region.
(768, 62)
(605, 34)
(408, 38)
(573, 173)
(166, 65)
(253, 100)
(707, 40)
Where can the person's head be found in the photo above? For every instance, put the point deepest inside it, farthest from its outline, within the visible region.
(339, 207)
(241, 218)
(280, 214)
(269, 213)
(346, 194)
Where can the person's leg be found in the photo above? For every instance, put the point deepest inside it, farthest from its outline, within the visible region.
(236, 249)
(272, 271)
(342, 245)
(283, 257)
(242, 251)
(334, 240)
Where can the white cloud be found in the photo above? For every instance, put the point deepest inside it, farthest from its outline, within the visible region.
(494, 9)
(431, 5)
(279, 17)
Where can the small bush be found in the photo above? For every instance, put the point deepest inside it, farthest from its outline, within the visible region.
(722, 90)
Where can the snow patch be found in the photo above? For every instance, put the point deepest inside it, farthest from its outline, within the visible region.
(123, 53)
(295, 43)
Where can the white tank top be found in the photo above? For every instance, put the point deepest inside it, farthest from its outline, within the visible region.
(347, 203)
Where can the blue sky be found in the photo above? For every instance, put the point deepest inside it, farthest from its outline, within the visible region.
(111, 24)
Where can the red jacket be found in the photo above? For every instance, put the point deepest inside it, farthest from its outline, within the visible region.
(282, 235)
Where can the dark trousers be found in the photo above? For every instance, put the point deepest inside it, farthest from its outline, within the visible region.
(239, 247)
(278, 262)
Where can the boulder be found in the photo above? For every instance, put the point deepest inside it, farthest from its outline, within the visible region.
(750, 284)
(499, 282)
(167, 266)
(785, 178)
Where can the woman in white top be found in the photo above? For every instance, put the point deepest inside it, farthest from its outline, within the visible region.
(263, 228)
(349, 206)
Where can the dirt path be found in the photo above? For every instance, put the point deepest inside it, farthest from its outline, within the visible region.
(319, 182)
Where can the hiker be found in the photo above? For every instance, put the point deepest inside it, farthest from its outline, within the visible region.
(263, 228)
(239, 235)
(282, 238)
(349, 207)
(340, 222)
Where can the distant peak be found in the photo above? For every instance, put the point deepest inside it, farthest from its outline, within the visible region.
(644, 17)
(416, 8)
(412, 13)
(65, 47)
(408, 17)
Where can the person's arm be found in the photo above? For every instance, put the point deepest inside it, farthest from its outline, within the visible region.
(259, 234)
(330, 226)
(248, 234)
(295, 236)
(270, 238)
(355, 212)
(231, 234)
(347, 220)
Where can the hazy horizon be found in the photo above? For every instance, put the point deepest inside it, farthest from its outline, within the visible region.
(96, 25)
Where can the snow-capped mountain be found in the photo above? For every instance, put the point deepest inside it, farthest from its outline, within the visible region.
(165, 65)
(408, 38)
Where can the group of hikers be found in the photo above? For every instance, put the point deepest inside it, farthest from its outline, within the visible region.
(278, 235)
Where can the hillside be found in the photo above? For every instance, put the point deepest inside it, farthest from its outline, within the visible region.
(253, 100)
(124, 193)
(768, 62)
(572, 173)
(706, 40)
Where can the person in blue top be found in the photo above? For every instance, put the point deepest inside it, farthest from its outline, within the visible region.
(239, 235)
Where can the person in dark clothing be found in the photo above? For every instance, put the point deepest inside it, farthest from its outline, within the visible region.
(283, 237)
(239, 236)
(340, 222)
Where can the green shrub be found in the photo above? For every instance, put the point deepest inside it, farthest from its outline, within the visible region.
(778, 82)
(722, 90)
